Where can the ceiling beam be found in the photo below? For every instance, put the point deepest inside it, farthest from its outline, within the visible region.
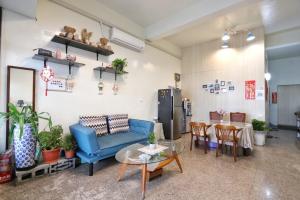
(188, 16)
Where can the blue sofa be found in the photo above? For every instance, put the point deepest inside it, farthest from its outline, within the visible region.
(93, 148)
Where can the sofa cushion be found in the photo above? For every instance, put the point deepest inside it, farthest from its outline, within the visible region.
(118, 123)
(96, 122)
(112, 140)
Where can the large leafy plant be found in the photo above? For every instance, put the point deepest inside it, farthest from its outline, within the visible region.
(25, 115)
(119, 64)
(49, 140)
(259, 125)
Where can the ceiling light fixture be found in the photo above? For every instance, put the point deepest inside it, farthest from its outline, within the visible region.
(250, 36)
(225, 45)
(225, 36)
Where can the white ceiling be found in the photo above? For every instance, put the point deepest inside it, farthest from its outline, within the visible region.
(246, 17)
(147, 12)
(292, 50)
(27, 8)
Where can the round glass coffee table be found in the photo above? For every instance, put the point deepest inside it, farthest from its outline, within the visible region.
(151, 160)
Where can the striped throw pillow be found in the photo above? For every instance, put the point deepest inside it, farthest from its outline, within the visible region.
(118, 123)
(96, 122)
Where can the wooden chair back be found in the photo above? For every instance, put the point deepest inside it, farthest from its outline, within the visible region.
(226, 132)
(238, 117)
(214, 116)
(198, 127)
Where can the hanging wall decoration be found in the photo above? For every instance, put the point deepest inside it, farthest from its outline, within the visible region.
(218, 87)
(250, 90)
(47, 75)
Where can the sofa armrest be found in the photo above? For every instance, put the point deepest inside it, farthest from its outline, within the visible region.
(141, 126)
(85, 137)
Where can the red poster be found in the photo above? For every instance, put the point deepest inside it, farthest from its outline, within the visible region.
(250, 90)
(274, 97)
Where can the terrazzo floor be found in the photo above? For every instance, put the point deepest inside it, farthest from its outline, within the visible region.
(272, 172)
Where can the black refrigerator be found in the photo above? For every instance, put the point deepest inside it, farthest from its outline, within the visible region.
(171, 113)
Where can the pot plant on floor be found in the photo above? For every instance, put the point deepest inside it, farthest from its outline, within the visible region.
(260, 130)
(23, 132)
(69, 146)
(50, 143)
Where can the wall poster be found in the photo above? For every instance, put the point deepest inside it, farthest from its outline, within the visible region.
(250, 90)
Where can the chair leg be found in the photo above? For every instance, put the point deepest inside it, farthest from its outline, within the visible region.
(234, 151)
(205, 145)
(91, 168)
(191, 143)
(217, 150)
(222, 147)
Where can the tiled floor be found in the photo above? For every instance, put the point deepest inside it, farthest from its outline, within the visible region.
(273, 172)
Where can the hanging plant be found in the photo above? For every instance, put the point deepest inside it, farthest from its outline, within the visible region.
(119, 64)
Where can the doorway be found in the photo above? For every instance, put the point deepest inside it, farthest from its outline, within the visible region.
(288, 104)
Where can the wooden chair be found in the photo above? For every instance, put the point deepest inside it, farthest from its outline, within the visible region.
(214, 116)
(238, 117)
(199, 129)
(227, 134)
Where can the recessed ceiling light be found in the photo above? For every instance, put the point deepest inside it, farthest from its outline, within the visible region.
(250, 36)
(225, 36)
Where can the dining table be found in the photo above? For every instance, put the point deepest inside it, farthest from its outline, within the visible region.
(246, 135)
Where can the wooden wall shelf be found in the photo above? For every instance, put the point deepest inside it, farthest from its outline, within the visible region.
(69, 42)
(108, 70)
(58, 61)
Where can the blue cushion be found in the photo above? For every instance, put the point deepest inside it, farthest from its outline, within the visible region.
(108, 141)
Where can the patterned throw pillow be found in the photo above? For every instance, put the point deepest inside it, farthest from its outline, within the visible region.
(96, 122)
(118, 123)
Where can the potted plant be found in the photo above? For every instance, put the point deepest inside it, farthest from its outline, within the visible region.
(119, 64)
(23, 132)
(152, 140)
(50, 143)
(260, 130)
(68, 145)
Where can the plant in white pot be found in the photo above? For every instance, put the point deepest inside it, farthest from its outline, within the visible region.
(260, 130)
(152, 141)
(23, 133)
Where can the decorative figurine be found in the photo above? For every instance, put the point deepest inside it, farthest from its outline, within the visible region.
(70, 31)
(85, 36)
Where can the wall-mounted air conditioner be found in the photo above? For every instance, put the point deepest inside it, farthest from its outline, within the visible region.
(124, 39)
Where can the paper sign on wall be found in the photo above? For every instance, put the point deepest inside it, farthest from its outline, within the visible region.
(260, 95)
(250, 90)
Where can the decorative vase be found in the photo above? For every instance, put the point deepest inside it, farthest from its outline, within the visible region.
(51, 156)
(152, 146)
(115, 88)
(70, 154)
(100, 87)
(24, 147)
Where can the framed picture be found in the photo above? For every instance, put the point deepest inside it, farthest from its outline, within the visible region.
(217, 87)
(57, 84)
(231, 88)
(217, 81)
(177, 77)
(211, 85)
(212, 91)
(222, 83)
(204, 86)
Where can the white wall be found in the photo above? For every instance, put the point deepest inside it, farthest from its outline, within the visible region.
(284, 72)
(204, 63)
(148, 71)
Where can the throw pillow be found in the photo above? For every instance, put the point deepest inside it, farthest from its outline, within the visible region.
(118, 123)
(96, 122)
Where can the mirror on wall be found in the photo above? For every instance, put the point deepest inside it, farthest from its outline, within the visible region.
(20, 89)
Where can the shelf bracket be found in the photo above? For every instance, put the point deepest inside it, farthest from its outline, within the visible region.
(70, 68)
(100, 74)
(67, 45)
(45, 62)
(115, 75)
(97, 56)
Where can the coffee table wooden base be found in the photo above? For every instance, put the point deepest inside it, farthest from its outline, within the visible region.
(146, 175)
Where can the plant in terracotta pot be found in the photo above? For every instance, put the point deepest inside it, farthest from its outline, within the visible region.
(119, 64)
(50, 143)
(69, 145)
(23, 131)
